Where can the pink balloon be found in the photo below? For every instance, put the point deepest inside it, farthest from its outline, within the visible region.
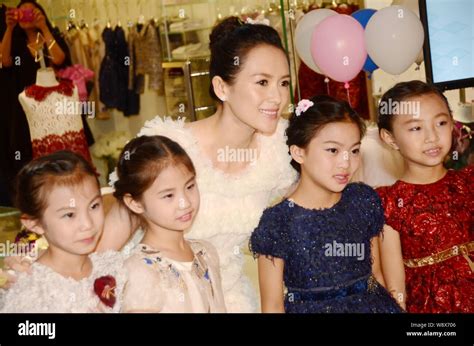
(338, 47)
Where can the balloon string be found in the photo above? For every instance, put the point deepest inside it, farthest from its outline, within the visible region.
(346, 85)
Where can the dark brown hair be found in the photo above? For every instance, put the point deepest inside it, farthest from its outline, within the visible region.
(20, 40)
(142, 160)
(230, 39)
(36, 179)
(302, 129)
(400, 92)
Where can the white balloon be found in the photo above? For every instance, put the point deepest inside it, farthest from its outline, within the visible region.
(414, 6)
(410, 4)
(394, 37)
(420, 58)
(304, 32)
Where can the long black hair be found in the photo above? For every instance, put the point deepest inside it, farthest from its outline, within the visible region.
(20, 40)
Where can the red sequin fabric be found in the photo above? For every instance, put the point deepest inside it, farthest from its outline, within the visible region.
(431, 218)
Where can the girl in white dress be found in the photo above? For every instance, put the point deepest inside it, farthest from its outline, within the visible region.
(166, 273)
(59, 197)
(240, 153)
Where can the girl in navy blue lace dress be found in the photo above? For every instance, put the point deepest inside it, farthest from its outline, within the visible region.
(321, 243)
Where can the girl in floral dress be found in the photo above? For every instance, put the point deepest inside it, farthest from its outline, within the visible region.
(166, 273)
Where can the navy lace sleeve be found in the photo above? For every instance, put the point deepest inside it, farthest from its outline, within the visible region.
(374, 207)
(268, 238)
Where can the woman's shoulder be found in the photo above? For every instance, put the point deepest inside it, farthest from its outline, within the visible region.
(174, 129)
(275, 158)
(276, 142)
(159, 125)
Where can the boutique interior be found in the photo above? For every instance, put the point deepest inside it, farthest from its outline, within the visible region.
(170, 41)
(178, 59)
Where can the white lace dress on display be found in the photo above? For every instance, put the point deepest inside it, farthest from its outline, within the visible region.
(54, 119)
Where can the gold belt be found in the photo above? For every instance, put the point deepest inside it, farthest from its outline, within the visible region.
(453, 251)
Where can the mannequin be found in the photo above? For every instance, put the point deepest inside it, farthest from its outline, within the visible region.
(53, 118)
(45, 77)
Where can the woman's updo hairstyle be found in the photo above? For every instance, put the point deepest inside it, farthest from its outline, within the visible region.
(230, 42)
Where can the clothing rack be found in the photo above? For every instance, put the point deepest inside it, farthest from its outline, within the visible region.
(107, 12)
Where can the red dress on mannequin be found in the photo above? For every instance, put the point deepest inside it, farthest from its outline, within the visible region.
(431, 219)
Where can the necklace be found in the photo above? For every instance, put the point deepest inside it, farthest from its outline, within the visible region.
(37, 46)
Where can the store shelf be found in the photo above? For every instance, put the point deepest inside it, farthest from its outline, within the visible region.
(176, 32)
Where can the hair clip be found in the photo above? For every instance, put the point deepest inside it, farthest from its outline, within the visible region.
(259, 20)
(113, 178)
(303, 106)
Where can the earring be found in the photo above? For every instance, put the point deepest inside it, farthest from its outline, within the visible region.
(223, 98)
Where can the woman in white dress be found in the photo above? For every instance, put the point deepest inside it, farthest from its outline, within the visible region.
(240, 152)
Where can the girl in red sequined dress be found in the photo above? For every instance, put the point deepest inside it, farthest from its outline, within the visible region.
(430, 249)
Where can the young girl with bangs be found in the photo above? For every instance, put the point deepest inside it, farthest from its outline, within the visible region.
(59, 198)
(166, 272)
(318, 249)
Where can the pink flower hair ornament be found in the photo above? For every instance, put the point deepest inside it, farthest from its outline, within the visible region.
(303, 106)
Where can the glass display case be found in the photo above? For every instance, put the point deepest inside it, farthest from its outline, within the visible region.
(189, 77)
(184, 32)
